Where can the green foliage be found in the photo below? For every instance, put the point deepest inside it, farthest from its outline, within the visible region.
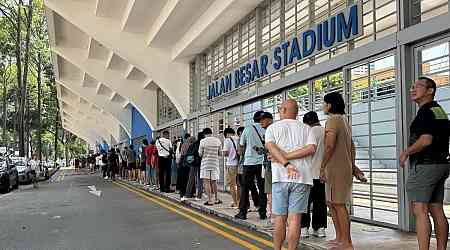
(10, 87)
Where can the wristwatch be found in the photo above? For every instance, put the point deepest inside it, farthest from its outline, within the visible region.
(286, 164)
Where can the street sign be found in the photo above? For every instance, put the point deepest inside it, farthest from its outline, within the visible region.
(16, 153)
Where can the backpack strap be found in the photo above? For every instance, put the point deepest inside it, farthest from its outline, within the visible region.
(260, 138)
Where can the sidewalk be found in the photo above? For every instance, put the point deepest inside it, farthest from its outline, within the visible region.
(365, 236)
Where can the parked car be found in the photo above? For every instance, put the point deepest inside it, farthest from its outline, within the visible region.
(26, 173)
(9, 177)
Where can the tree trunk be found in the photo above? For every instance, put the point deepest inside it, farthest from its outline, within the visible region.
(5, 109)
(39, 136)
(66, 147)
(19, 107)
(56, 132)
(25, 70)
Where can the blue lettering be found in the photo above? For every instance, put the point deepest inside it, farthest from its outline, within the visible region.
(295, 51)
(264, 61)
(319, 36)
(344, 27)
(255, 70)
(312, 35)
(285, 46)
(228, 83)
(242, 73)
(222, 86)
(329, 32)
(248, 72)
(237, 78)
(276, 56)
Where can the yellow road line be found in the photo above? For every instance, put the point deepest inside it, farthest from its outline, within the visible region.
(201, 223)
(242, 232)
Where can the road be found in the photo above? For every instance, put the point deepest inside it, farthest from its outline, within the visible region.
(63, 214)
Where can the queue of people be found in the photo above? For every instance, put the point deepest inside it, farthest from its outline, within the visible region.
(287, 166)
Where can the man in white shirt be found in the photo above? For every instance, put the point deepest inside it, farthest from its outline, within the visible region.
(164, 147)
(317, 194)
(230, 145)
(287, 140)
(209, 151)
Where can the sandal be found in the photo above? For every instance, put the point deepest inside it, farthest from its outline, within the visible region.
(218, 202)
(208, 204)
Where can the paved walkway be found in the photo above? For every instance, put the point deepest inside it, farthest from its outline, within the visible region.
(367, 237)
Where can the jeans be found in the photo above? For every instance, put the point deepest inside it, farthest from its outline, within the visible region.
(173, 173)
(194, 183)
(250, 173)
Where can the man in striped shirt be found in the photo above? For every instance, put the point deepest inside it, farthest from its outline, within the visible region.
(210, 150)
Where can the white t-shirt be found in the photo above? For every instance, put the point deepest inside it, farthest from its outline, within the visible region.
(231, 149)
(318, 132)
(290, 135)
(163, 146)
(209, 150)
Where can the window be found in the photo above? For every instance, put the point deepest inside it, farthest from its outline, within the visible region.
(432, 8)
(373, 118)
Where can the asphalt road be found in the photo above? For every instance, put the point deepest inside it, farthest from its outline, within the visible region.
(63, 214)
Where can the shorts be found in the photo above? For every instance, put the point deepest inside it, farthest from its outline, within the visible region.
(131, 165)
(209, 174)
(268, 180)
(143, 166)
(290, 198)
(426, 182)
(231, 175)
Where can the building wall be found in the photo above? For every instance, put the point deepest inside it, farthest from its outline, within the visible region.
(373, 73)
(139, 128)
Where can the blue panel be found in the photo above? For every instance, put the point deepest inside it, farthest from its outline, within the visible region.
(139, 127)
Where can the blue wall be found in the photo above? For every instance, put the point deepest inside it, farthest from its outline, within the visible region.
(139, 126)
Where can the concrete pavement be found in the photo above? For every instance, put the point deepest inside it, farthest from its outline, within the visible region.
(62, 214)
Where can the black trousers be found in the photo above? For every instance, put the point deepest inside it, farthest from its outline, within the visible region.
(252, 188)
(248, 179)
(319, 211)
(165, 164)
(105, 170)
(183, 177)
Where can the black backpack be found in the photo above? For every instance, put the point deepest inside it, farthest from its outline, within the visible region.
(192, 159)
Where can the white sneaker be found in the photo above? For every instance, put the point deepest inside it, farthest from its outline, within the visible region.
(305, 233)
(320, 233)
(183, 198)
(106, 178)
(197, 199)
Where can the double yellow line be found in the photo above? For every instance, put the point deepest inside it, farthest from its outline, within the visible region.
(193, 216)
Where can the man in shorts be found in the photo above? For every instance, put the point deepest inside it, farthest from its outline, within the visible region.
(428, 154)
(230, 151)
(210, 150)
(291, 180)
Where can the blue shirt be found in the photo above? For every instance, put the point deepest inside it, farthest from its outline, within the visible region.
(249, 139)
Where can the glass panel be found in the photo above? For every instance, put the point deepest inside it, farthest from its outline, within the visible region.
(374, 134)
(301, 95)
(433, 8)
(333, 82)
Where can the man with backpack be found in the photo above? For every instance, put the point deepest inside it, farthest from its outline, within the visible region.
(251, 142)
(165, 154)
(192, 160)
(230, 151)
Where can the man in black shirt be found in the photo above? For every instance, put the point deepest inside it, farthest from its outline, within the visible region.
(428, 153)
